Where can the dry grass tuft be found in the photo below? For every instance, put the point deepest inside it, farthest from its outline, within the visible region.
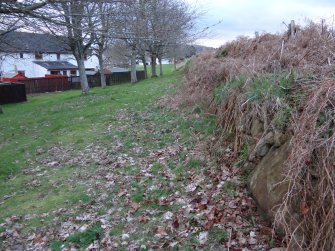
(310, 53)
(308, 211)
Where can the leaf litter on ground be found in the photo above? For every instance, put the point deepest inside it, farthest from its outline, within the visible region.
(146, 189)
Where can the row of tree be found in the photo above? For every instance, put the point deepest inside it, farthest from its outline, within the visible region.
(147, 28)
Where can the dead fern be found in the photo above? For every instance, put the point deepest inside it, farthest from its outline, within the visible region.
(308, 210)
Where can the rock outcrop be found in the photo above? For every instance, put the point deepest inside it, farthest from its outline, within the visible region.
(266, 182)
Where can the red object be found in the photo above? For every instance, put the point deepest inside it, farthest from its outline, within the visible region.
(18, 76)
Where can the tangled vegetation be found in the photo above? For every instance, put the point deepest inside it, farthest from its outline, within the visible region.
(286, 83)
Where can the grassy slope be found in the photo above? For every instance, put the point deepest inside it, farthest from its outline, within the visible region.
(67, 118)
(119, 159)
(71, 123)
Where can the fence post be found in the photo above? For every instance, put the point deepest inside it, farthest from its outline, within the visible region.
(292, 28)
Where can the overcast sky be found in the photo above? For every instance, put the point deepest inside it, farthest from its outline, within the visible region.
(244, 17)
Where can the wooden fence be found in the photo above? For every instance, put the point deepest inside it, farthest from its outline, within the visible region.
(39, 85)
(111, 79)
(123, 77)
(12, 93)
(61, 83)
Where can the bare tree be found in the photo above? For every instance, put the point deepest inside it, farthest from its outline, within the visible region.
(179, 52)
(129, 30)
(75, 21)
(117, 54)
(153, 26)
(106, 18)
(11, 13)
(79, 24)
(23, 7)
(170, 23)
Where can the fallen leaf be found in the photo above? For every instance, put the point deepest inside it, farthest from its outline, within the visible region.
(304, 209)
(175, 222)
(161, 231)
(125, 236)
(144, 219)
(232, 204)
(120, 194)
(134, 207)
(168, 215)
(191, 187)
(203, 237)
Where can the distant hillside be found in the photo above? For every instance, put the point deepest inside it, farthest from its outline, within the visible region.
(200, 49)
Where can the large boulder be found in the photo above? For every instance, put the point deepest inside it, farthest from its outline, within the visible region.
(266, 182)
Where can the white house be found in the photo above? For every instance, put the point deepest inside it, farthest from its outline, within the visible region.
(37, 55)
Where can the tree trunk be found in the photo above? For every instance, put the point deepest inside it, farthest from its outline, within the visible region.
(83, 78)
(174, 63)
(1, 112)
(160, 66)
(145, 67)
(153, 66)
(133, 66)
(102, 74)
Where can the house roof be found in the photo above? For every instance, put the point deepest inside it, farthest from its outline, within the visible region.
(9, 74)
(90, 72)
(56, 65)
(16, 42)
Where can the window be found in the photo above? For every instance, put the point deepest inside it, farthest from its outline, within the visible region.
(38, 55)
(55, 72)
(58, 56)
(21, 55)
(65, 73)
(73, 73)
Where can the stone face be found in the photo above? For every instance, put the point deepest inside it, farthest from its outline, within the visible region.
(257, 128)
(266, 182)
(262, 150)
(263, 146)
(280, 138)
(269, 138)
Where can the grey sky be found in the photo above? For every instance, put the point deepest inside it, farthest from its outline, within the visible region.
(244, 17)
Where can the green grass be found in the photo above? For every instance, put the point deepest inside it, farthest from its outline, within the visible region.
(195, 164)
(243, 155)
(73, 121)
(121, 120)
(167, 69)
(81, 239)
(230, 188)
(67, 117)
(218, 235)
